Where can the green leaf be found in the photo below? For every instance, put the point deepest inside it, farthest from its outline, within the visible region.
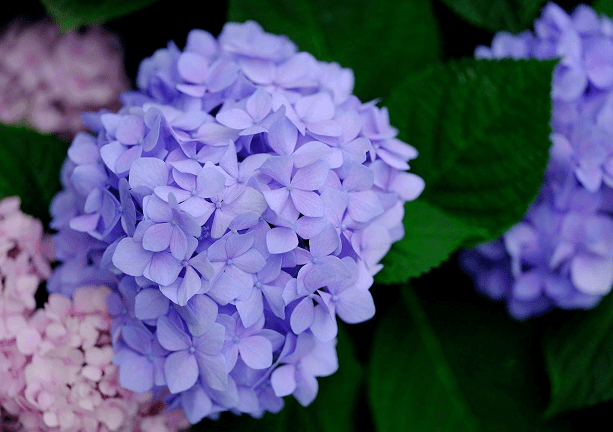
(496, 15)
(482, 131)
(381, 40)
(481, 170)
(451, 362)
(604, 7)
(331, 411)
(578, 355)
(30, 168)
(74, 13)
(431, 236)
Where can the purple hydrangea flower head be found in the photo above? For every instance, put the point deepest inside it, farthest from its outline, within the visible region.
(561, 253)
(240, 200)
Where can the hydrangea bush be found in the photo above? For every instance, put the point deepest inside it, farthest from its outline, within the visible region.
(239, 200)
(48, 79)
(55, 363)
(561, 253)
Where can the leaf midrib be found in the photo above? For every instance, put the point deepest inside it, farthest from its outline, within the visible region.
(441, 366)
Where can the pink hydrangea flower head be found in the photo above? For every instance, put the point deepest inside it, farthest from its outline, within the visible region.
(25, 256)
(63, 378)
(48, 79)
(56, 369)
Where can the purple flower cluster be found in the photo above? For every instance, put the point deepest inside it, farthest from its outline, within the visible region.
(237, 203)
(561, 253)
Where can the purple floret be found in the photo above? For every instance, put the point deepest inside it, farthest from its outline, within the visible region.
(239, 201)
(561, 254)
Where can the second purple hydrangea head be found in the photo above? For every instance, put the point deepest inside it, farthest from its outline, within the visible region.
(239, 201)
(561, 253)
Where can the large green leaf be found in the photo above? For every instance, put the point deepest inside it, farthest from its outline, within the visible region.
(482, 131)
(497, 15)
(579, 359)
(449, 361)
(604, 7)
(381, 40)
(481, 170)
(74, 13)
(331, 411)
(30, 168)
(431, 236)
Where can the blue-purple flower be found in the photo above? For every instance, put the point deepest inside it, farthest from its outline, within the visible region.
(561, 253)
(239, 201)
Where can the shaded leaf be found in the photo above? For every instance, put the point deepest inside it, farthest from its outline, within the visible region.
(70, 14)
(497, 15)
(604, 7)
(30, 168)
(450, 361)
(431, 236)
(381, 41)
(463, 118)
(579, 359)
